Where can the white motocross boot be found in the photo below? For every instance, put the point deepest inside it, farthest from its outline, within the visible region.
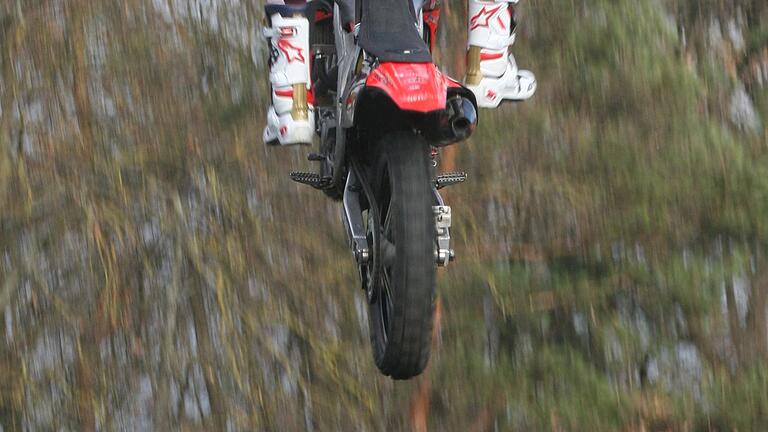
(291, 118)
(492, 73)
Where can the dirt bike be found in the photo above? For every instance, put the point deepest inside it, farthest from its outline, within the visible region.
(382, 111)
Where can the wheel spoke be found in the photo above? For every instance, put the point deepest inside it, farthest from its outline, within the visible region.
(388, 219)
(385, 304)
(388, 252)
(386, 288)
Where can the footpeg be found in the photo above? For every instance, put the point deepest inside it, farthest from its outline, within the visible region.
(310, 179)
(450, 179)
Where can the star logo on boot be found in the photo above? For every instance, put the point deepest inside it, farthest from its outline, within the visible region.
(482, 18)
(291, 52)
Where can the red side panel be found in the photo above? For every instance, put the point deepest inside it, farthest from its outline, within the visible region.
(431, 19)
(419, 87)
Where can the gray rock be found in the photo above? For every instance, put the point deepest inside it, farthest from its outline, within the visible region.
(743, 112)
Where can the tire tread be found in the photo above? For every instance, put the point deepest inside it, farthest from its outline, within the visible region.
(407, 351)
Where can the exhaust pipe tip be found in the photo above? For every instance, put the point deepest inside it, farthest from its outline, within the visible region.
(455, 124)
(462, 127)
(463, 118)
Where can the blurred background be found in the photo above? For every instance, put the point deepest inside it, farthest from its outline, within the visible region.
(160, 271)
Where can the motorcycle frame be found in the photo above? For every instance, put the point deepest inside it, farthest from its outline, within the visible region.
(360, 75)
(362, 80)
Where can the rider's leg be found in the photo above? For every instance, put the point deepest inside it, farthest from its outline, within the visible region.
(492, 72)
(290, 119)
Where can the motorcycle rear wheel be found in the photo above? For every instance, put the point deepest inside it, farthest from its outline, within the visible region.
(400, 315)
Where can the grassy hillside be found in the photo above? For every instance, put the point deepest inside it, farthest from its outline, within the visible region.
(158, 269)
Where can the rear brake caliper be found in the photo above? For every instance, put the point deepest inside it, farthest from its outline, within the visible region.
(443, 254)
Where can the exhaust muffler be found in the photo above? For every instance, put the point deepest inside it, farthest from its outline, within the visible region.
(456, 124)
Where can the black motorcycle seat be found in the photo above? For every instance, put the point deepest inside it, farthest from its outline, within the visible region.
(388, 31)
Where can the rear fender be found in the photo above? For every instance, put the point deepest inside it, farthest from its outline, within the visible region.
(416, 87)
(394, 96)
